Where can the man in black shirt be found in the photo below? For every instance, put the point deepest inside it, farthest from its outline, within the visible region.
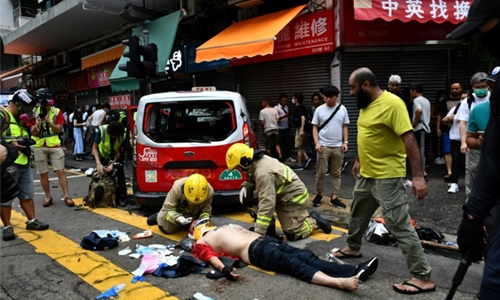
(442, 129)
(485, 16)
(300, 121)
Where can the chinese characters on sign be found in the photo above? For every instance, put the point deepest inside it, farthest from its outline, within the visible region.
(119, 102)
(454, 11)
(305, 35)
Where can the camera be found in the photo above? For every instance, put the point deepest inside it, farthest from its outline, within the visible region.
(27, 142)
(116, 165)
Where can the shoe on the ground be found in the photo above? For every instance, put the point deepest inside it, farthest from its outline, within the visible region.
(297, 168)
(47, 202)
(336, 202)
(8, 233)
(344, 165)
(317, 200)
(308, 161)
(366, 269)
(327, 172)
(36, 225)
(453, 188)
(447, 177)
(408, 183)
(69, 202)
(439, 161)
(152, 220)
(291, 159)
(322, 223)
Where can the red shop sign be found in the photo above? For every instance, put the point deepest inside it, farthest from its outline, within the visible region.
(439, 11)
(119, 102)
(380, 32)
(305, 35)
(78, 81)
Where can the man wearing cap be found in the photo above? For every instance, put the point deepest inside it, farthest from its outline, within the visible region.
(15, 131)
(48, 145)
(484, 16)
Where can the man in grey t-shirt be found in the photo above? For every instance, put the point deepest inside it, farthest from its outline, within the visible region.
(422, 118)
(268, 117)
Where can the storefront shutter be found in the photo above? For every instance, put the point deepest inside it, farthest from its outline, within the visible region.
(426, 67)
(304, 75)
(462, 70)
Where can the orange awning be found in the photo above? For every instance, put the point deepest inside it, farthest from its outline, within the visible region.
(103, 56)
(249, 38)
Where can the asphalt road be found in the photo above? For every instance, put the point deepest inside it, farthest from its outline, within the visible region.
(50, 265)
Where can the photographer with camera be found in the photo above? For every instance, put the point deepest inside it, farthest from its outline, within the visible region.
(14, 125)
(46, 132)
(108, 149)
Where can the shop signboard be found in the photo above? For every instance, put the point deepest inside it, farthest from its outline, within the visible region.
(98, 75)
(78, 81)
(397, 29)
(119, 102)
(308, 34)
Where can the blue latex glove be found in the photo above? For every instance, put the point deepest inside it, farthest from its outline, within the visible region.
(138, 278)
(112, 292)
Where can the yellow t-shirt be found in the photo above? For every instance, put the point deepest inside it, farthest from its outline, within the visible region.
(381, 150)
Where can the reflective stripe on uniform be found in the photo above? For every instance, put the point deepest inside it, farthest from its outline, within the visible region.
(263, 220)
(287, 177)
(170, 216)
(301, 198)
(306, 229)
(204, 215)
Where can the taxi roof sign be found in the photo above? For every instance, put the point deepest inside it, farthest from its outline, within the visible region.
(203, 88)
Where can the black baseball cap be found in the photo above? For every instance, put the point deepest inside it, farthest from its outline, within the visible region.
(479, 12)
(494, 74)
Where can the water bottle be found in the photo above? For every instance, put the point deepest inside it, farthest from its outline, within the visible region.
(119, 287)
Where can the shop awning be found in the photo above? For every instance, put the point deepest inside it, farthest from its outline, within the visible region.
(422, 11)
(13, 72)
(162, 32)
(103, 56)
(248, 38)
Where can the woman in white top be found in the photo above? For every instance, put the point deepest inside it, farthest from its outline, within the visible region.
(456, 155)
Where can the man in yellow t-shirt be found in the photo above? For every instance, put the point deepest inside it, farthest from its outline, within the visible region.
(385, 137)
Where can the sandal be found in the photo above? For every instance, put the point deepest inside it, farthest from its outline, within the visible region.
(47, 202)
(69, 202)
(447, 177)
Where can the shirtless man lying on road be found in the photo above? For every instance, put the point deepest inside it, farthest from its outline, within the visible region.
(271, 254)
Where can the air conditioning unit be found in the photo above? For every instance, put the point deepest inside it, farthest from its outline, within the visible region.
(244, 3)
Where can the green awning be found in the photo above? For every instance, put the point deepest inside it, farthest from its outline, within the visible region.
(162, 32)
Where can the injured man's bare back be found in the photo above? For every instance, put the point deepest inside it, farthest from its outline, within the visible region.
(274, 255)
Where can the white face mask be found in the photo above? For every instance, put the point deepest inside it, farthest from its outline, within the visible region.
(293, 100)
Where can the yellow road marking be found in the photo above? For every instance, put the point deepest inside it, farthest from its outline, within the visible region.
(318, 235)
(88, 265)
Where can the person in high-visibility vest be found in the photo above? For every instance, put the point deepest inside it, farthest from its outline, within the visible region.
(15, 132)
(108, 149)
(48, 145)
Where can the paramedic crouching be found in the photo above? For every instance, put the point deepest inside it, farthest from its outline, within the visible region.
(107, 150)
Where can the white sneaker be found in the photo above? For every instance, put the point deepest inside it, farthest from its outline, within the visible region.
(290, 159)
(408, 183)
(453, 188)
(439, 161)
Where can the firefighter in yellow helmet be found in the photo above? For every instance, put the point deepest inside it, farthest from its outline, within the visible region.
(190, 198)
(279, 189)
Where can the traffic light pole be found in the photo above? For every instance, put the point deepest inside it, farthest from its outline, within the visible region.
(149, 89)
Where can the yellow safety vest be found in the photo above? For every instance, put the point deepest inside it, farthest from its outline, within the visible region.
(105, 144)
(17, 131)
(52, 139)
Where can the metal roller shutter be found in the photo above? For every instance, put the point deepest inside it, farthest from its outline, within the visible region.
(304, 75)
(426, 67)
(462, 70)
(221, 81)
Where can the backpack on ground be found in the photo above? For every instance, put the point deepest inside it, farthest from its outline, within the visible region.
(102, 191)
(95, 242)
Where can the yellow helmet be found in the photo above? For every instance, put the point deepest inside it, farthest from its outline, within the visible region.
(202, 226)
(239, 154)
(196, 188)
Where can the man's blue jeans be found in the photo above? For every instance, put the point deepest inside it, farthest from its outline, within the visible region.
(273, 255)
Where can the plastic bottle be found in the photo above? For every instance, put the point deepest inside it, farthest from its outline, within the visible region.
(112, 292)
(119, 287)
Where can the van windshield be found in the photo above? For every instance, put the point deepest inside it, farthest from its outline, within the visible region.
(189, 121)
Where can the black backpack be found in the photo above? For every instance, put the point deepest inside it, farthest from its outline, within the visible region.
(95, 242)
(309, 117)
